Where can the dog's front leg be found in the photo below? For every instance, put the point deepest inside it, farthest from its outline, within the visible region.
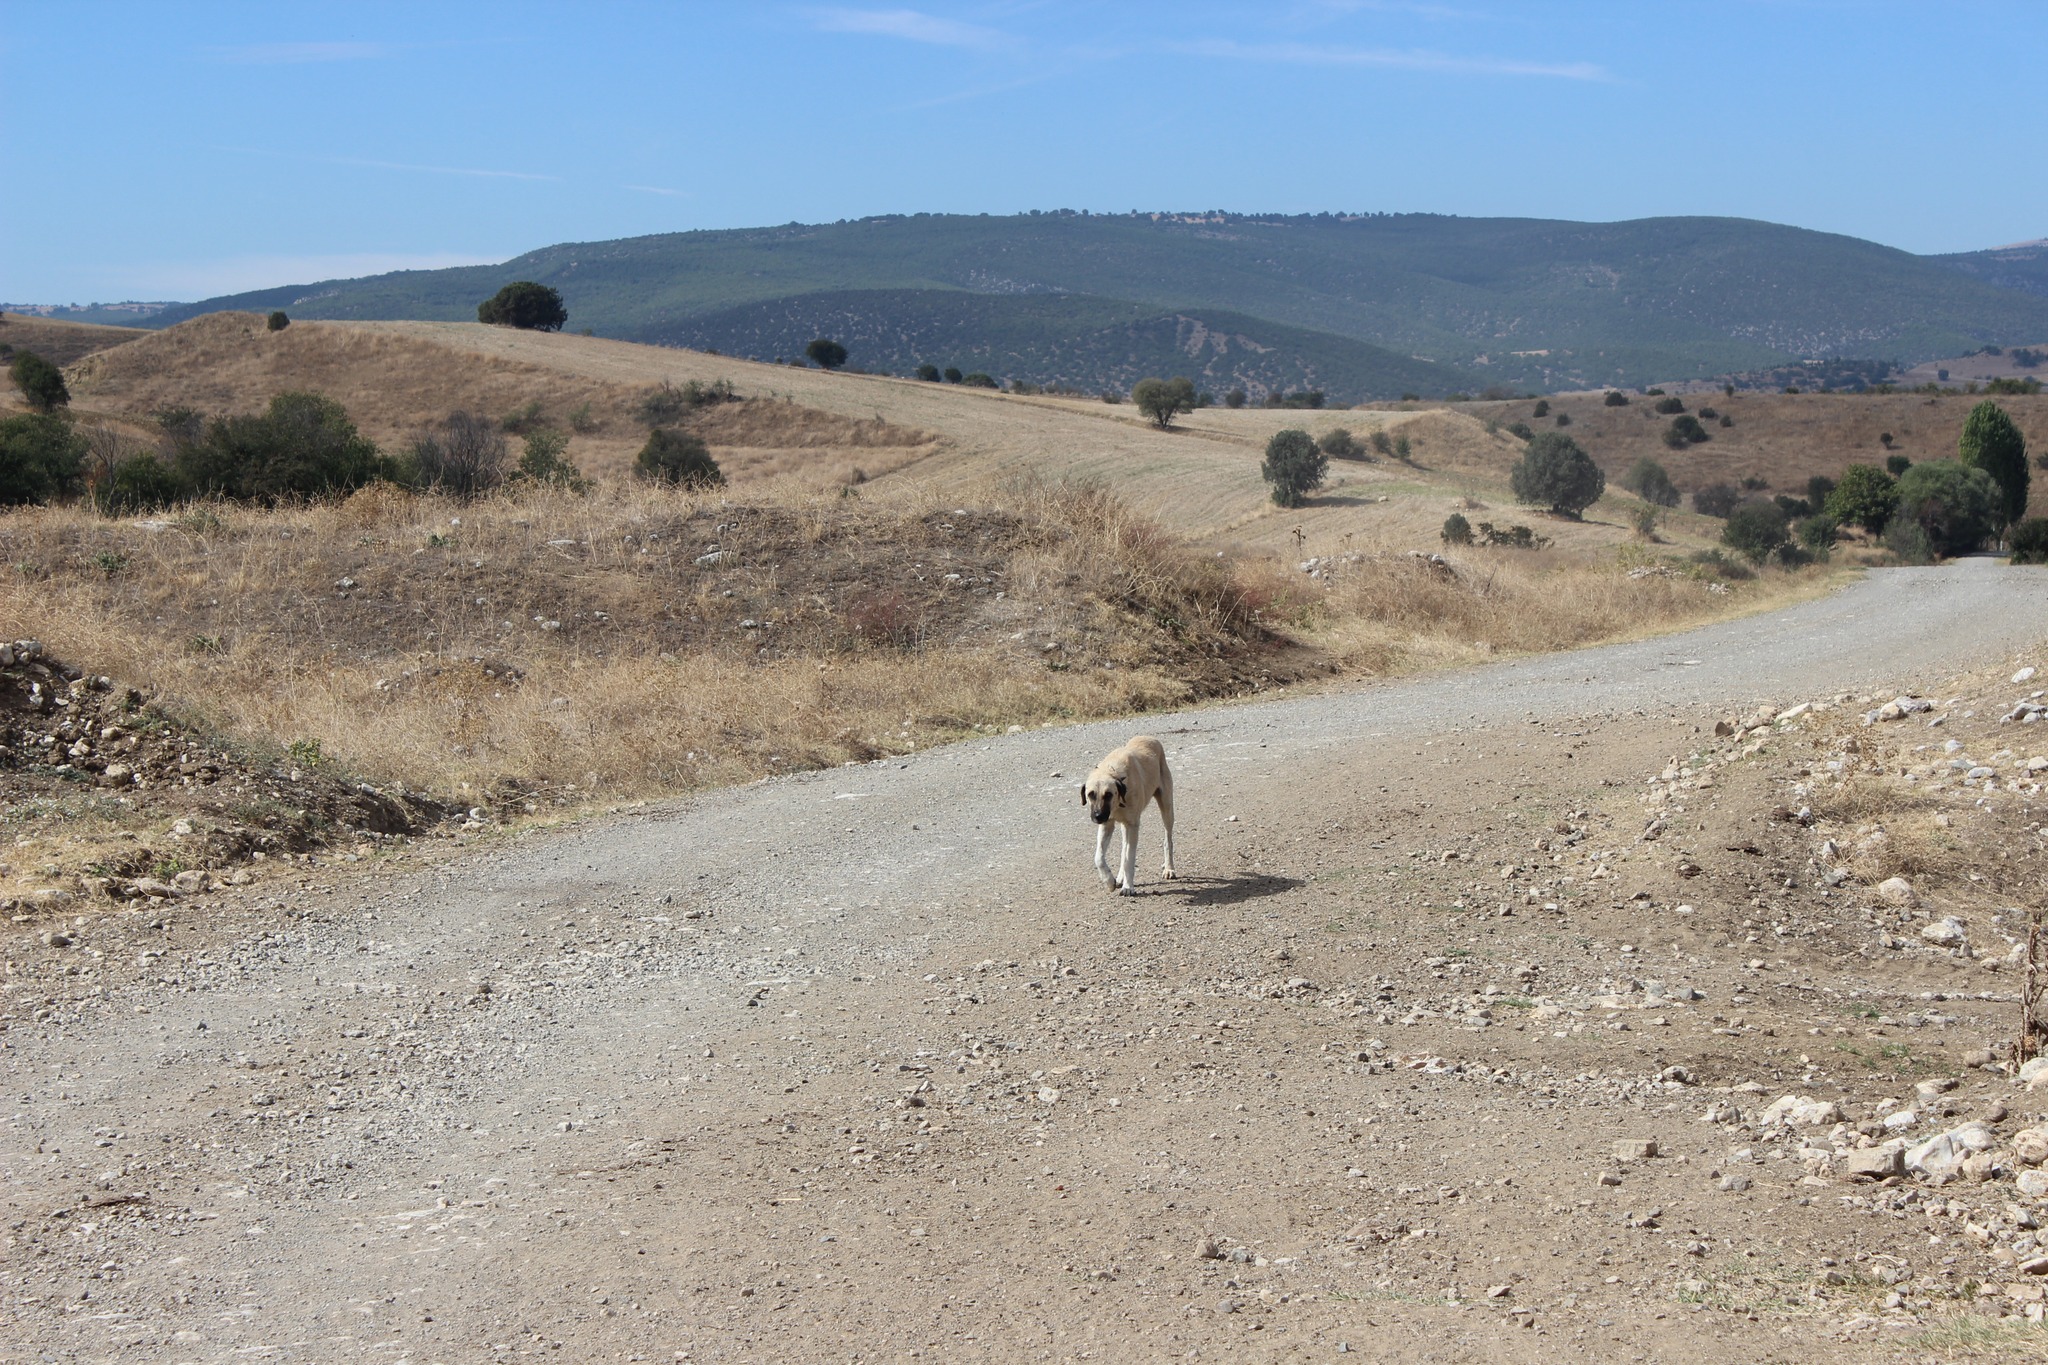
(1102, 856)
(1129, 884)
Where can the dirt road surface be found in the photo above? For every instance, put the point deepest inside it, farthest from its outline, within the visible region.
(865, 1065)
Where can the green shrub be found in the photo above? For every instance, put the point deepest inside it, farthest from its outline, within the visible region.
(1555, 472)
(1818, 532)
(1715, 500)
(1294, 466)
(41, 457)
(545, 461)
(278, 321)
(1615, 399)
(2028, 541)
(1715, 564)
(522, 419)
(1896, 465)
(1236, 398)
(41, 383)
(1520, 431)
(1338, 444)
(1404, 449)
(1564, 419)
(140, 483)
(1726, 420)
(1959, 506)
(1687, 429)
(675, 457)
(1817, 489)
(1457, 530)
(952, 374)
(979, 380)
(928, 373)
(1707, 414)
(1666, 406)
(1542, 408)
(825, 353)
(1865, 497)
(1755, 530)
(581, 420)
(1908, 541)
(1644, 520)
(667, 404)
(1648, 480)
(1162, 400)
(303, 445)
(1382, 444)
(525, 305)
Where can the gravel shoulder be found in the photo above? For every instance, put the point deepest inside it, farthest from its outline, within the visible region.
(864, 1063)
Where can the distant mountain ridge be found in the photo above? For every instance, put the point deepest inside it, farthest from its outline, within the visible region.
(1362, 305)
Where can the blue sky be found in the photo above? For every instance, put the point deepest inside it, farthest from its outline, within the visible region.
(182, 150)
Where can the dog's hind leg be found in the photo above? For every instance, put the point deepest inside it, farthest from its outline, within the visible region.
(1130, 868)
(1165, 799)
(1102, 857)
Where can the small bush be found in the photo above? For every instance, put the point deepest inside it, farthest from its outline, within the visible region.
(1908, 541)
(952, 374)
(463, 456)
(2029, 541)
(1404, 449)
(1338, 444)
(1715, 564)
(978, 380)
(1817, 489)
(1615, 399)
(675, 457)
(1896, 465)
(1382, 444)
(1648, 480)
(278, 321)
(1457, 530)
(41, 383)
(1236, 398)
(140, 483)
(545, 461)
(1715, 500)
(522, 419)
(825, 353)
(1644, 521)
(1818, 532)
(1755, 483)
(1564, 419)
(1542, 408)
(582, 421)
(1726, 420)
(928, 373)
(666, 405)
(1520, 431)
(1511, 538)
(525, 305)
(1666, 406)
(1688, 429)
(1755, 530)
(1294, 466)
(1707, 414)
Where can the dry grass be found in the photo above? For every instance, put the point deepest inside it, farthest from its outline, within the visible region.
(548, 647)
(60, 342)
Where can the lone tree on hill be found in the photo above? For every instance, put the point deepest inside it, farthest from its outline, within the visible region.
(1294, 465)
(1556, 472)
(675, 457)
(523, 304)
(1162, 400)
(40, 382)
(1991, 442)
(825, 353)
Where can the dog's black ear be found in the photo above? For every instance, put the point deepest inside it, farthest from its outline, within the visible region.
(1123, 793)
(1084, 793)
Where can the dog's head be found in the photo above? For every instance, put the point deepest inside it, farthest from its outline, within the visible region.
(1103, 794)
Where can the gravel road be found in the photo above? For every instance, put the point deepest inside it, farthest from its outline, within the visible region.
(648, 1088)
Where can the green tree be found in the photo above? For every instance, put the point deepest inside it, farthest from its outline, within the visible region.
(1457, 530)
(1991, 442)
(1959, 506)
(278, 321)
(953, 375)
(1755, 530)
(1896, 464)
(1648, 480)
(2028, 541)
(825, 353)
(1865, 497)
(1554, 471)
(140, 483)
(1715, 500)
(1686, 430)
(1162, 400)
(41, 383)
(1542, 408)
(674, 457)
(41, 457)
(1294, 465)
(1615, 399)
(928, 373)
(1236, 398)
(523, 304)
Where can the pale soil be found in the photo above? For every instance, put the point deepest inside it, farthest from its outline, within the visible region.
(863, 1064)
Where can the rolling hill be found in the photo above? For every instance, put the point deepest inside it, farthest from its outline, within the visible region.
(2022, 266)
(1524, 303)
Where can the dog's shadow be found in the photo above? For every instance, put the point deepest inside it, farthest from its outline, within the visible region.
(1202, 891)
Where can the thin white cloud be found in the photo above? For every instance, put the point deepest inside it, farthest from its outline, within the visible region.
(657, 189)
(1305, 54)
(909, 25)
(237, 274)
(286, 54)
(435, 170)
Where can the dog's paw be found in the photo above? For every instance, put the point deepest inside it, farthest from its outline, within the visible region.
(1127, 890)
(1167, 873)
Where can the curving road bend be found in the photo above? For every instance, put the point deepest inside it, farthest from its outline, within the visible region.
(565, 1097)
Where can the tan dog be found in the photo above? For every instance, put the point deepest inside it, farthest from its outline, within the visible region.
(1117, 793)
